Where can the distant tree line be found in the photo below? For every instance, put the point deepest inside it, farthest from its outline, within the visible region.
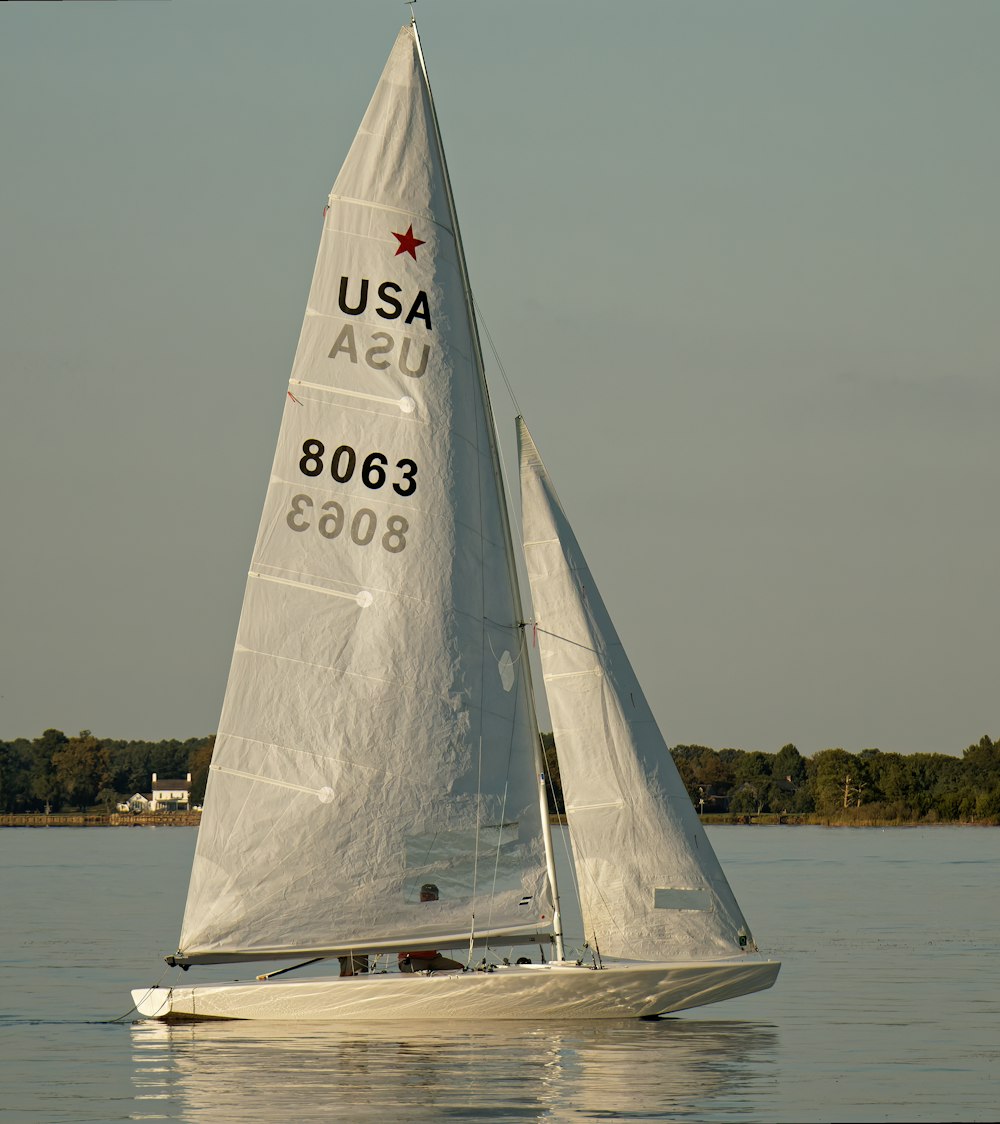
(84, 771)
(59, 773)
(842, 786)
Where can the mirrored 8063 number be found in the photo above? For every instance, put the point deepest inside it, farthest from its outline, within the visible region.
(361, 528)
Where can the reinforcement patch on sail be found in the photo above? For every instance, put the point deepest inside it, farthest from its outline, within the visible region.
(681, 899)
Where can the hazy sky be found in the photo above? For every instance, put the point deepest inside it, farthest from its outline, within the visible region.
(741, 262)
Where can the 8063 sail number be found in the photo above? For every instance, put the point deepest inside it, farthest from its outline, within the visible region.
(344, 463)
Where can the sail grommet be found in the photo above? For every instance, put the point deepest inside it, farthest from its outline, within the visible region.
(325, 795)
(407, 404)
(365, 598)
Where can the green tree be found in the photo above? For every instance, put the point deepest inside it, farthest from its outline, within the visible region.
(832, 772)
(982, 762)
(45, 789)
(790, 765)
(705, 773)
(198, 765)
(988, 805)
(753, 787)
(790, 771)
(15, 776)
(107, 798)
(82, 767)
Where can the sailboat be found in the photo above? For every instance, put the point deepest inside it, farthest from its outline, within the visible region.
(378, 735)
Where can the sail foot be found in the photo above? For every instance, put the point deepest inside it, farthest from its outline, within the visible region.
(446, 940)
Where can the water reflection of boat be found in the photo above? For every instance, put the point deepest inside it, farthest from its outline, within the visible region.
(249, 1071)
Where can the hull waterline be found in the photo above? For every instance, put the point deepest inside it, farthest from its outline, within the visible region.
(551, 991)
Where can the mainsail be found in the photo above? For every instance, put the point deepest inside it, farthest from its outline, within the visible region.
(377, 731)
(650, 885)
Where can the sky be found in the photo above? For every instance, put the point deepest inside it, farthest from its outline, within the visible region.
(740, 262)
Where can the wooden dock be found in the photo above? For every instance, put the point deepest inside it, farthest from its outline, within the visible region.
(101, 819)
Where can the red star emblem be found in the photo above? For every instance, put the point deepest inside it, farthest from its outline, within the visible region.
(407, 243)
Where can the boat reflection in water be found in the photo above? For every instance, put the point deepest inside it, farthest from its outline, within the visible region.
(250, 1071)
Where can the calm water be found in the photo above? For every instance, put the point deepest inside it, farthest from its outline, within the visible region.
(887, 1008)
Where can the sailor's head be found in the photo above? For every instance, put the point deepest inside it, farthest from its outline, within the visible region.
(428, 892)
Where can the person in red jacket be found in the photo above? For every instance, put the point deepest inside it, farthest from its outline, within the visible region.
(429, 960)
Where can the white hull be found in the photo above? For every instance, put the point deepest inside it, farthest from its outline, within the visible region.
(550, 991)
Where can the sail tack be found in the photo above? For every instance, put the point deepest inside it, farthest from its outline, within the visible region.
(651, 887)
(376, 732)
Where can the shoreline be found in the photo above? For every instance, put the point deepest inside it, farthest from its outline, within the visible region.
(193, 819)
(100, 819)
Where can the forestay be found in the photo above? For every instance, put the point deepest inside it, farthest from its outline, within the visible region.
(376, 732)
(650, 885)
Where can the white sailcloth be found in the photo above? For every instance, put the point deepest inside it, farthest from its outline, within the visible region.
(377, 730)
(651, 887)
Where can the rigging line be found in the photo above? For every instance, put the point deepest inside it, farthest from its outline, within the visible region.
(504, 627)
(493, 651)
(609, 912)
(475, 853)
(429, 848)
(515, 516)
(566, 639)
(135, 1006)
(496, 354)
(503, 802)
(550, 785)
(545, 779)
(496, 859)
(294, 967)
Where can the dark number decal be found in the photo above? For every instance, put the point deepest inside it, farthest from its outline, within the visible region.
(344, 462)
(312, 464)
(408, 485)
(373, 471)
(363, 524)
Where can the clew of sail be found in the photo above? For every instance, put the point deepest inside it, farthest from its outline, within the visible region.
(377, 731)
(651, 887)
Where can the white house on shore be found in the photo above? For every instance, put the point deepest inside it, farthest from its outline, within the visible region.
(171, 795)
(136, 803)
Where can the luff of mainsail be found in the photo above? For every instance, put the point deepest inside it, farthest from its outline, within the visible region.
(650, 885)
(377, 730)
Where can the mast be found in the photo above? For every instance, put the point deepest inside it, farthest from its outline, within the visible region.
(495, 460)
